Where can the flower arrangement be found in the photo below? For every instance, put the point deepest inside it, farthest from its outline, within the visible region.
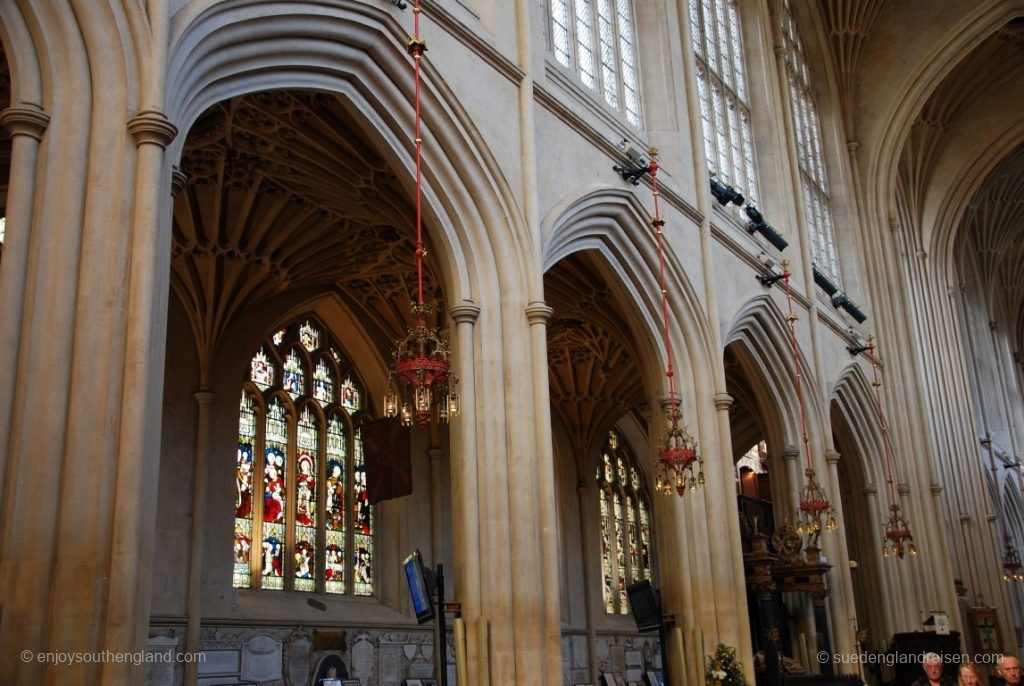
(723, 668)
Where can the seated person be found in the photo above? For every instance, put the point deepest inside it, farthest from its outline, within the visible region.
(932, 665)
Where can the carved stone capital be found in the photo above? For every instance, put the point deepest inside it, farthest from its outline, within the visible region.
(204, 397)
(903, 489)
(871, 490)
(178, 180)
(832, 456)
(538, 313)
(723, 401)
(936, 489)
(25, 120)
(790, 452)
(667, 401)
(465, 312)
(150, 126)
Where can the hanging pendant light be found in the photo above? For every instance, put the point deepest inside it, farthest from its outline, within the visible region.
(814, 513)
(420, 384)
(680, 467)
(896, 531)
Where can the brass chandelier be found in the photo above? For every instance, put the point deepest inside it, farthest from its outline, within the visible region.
(896, 530)
(679, 467)
(815, 512)
(420, 384)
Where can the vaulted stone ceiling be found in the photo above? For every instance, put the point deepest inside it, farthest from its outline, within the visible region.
(283, 191)
(592, 355)
(992, 238)
(995, 63)
(744, 413)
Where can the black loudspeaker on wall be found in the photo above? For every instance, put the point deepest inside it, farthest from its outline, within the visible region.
(646, 605)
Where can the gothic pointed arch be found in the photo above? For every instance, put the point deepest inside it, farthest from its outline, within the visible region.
(356, 52)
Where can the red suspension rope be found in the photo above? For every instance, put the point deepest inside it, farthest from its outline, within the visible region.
(658, 223)
(882, 423)
(416, 48)
(791, 318)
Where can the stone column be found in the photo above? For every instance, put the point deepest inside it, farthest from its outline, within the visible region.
(791, 454)
(466, 489)
(538, 314)
(204, 405)
(737, 576)
(134, 524)
(26, 124)
(841, 595)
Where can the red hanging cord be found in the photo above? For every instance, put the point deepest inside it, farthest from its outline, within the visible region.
(882, 423)
(416, 48)
(659, 222)
(791, 318)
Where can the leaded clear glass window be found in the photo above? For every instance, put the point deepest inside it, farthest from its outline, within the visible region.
(595, 39)
(722, 91)
(810, 155)
(313, 529)
(625, 521)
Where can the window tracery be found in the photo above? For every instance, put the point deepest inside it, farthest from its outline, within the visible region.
(596, 40)
(722, 91)
(304, 442)
(810, 156)
(624, 515)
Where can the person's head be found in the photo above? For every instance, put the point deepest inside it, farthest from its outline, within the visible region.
(932, 666)
(970, 675)
(1008, 667)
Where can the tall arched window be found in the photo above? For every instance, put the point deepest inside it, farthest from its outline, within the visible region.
(299, 445)
(595, 39)
(807, 128)
(625, 512)
(722, 89)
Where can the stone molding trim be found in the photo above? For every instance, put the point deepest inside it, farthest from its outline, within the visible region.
(538, 313)
(151, 126)
(467, 311)
(25, 120)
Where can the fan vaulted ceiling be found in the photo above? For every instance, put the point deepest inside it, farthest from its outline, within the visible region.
(283, 191)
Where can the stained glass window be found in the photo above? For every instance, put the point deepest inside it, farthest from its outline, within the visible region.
(362, 558)
(300, 439)
(323, 382)
(309, 335)
(294, 374)
(243, 492)
(307, 450)
(810, 151)
(722, 91)
(349, 395)
(334, 511)
(261, 371)
(595, 39)
(625, 523)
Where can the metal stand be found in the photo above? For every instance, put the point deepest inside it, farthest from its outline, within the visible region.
(662, 631)
(441, 659)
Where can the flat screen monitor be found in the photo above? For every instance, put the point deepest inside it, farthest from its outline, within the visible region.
(422, 601)
(643, 600)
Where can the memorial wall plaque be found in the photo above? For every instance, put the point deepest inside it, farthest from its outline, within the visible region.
(160, 671)
(261, 659)
(220, 663)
